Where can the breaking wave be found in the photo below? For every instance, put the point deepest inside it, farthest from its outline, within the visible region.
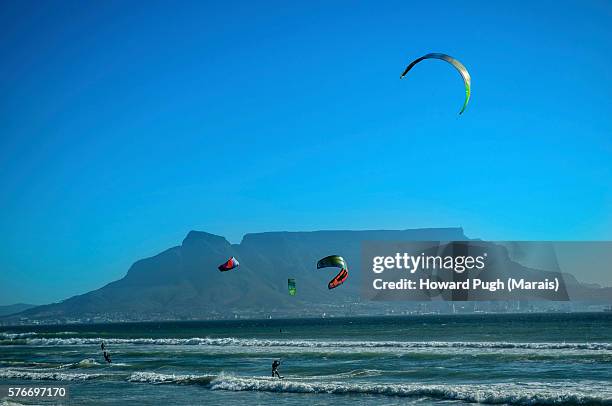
(46, 376)
(4, 336)
(492, 394)
(514, 394)
(156, 378)
(86, 363)
(247, 342)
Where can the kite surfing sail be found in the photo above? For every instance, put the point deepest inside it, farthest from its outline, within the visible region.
(335, 261)
(291, 286)
(458, 65)
(229, 265)
(338, 279)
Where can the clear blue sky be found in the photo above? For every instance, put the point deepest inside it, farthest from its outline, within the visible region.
(123, 125)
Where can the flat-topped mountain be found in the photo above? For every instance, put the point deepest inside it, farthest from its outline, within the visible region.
(184, 282)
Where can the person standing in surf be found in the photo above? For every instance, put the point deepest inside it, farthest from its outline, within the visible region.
(275, 366)
(107, 357)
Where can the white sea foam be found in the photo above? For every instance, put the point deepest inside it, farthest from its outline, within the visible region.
(157, 378)
(10, 403)
(45, 376)
(17, 335)
(509, 393)
(30, 334)
(85, 363)
(492, 394)
(248, 342)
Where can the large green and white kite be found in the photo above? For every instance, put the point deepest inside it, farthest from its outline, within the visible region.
(458, 65)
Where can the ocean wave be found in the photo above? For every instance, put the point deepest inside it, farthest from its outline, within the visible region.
(9, 336)
(515, 394)
(26, 364)
(250, 342)
(4, 336)
(491, 394)
(85, 363)
(45, 376)
(119, 364)
(157, 378)
(5, 402)
(360, 373)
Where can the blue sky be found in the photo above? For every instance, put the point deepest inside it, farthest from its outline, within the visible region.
(123, 125)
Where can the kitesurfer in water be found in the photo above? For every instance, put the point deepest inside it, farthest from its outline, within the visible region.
(107, 357)
(275, 366)
(102, 346)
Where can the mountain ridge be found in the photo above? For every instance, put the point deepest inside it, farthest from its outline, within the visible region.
(183, 282)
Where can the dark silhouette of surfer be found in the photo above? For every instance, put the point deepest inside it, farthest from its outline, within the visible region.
(107, 357)
(275, 366)
(102, 346)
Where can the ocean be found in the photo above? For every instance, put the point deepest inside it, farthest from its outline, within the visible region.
(519, 359)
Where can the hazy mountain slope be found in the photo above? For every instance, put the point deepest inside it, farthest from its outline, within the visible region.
(184, 282)
(14, 308)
